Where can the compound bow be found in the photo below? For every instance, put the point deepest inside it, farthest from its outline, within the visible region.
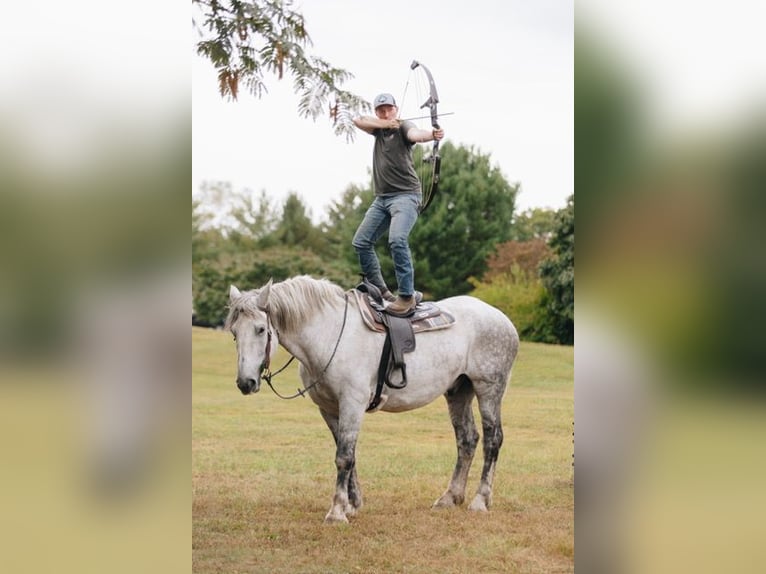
(431, 187)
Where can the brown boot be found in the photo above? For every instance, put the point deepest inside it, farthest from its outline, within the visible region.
(388, 296)
(402, 307)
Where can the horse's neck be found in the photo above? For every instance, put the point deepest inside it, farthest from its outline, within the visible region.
(312, 342)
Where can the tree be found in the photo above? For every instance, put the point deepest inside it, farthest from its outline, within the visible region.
(295, 228)
(522, 299)
(253, 215)
(470, 215)
(557, 274)
(246, 40)
(239, 215)
(343, 218)
(534, 223)
(518, 259)
(250, 269)
(512, 284)
(199, 220)
(210, 202)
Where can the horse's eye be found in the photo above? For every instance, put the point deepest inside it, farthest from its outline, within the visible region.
(260, 330)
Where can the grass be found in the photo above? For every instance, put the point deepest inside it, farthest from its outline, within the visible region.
(263, 476)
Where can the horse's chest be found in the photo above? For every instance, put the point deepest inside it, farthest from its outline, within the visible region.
(324, 398)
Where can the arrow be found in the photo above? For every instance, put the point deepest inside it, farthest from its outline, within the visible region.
(424, 117)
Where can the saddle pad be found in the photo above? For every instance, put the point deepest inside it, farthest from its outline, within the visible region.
(427, 316)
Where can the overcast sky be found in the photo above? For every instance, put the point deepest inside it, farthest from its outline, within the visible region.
(504, 68)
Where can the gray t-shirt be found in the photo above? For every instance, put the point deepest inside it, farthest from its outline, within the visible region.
(392, 167)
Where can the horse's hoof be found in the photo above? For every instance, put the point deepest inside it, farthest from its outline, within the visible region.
(350, 511)
(335, 519)
(447, 500)
(478, 504)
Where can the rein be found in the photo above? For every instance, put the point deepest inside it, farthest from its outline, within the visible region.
(268, 375)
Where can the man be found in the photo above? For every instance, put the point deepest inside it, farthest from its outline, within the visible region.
(396, 203)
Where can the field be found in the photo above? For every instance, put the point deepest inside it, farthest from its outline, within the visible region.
(263, 476)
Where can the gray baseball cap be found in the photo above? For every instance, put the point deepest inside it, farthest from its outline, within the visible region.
(384, 100)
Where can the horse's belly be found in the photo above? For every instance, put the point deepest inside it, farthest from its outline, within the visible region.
(397, 404)
(419, 392)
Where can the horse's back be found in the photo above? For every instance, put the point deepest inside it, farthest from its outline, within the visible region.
(490, 330)
(480, 314)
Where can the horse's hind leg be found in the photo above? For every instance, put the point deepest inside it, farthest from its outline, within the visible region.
(489, 407)
(459, 401)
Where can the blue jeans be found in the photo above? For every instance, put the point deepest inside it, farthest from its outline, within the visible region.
(398, 214)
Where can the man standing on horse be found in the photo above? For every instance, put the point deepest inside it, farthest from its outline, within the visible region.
(396, 203)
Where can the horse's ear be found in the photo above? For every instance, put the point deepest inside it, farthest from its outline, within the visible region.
(233, 293)
(262, 302)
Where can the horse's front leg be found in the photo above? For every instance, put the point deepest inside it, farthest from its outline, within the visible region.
(349, 423)
(354, 489)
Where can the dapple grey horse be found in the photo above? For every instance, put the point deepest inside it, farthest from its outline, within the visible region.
(320, 324)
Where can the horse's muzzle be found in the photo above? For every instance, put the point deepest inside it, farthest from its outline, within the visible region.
(249, 385)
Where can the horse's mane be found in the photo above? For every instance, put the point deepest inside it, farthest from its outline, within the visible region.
(291, 302)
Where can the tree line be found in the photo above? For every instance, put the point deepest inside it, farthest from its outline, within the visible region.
(469, 241)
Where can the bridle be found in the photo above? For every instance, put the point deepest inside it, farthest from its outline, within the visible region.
(268, 375)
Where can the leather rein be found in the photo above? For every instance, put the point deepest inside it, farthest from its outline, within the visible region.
(268, 375)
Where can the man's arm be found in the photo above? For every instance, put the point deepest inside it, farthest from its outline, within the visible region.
(416, 135)
(370, 124)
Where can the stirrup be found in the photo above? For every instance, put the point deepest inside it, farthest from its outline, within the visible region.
(405, 313)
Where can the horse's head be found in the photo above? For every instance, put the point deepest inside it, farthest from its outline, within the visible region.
(254, 334)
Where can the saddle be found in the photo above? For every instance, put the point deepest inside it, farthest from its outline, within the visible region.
(400, 333)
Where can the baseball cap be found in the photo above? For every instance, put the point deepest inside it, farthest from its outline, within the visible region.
(384, 100)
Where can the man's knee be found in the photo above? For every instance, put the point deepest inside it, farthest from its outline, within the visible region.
(398, 242)
(360, 244)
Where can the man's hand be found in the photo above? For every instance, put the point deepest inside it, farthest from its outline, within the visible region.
(370, 124)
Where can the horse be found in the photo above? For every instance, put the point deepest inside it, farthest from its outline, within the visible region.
(319, 323)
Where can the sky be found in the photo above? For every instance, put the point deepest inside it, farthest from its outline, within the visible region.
(505, 69)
